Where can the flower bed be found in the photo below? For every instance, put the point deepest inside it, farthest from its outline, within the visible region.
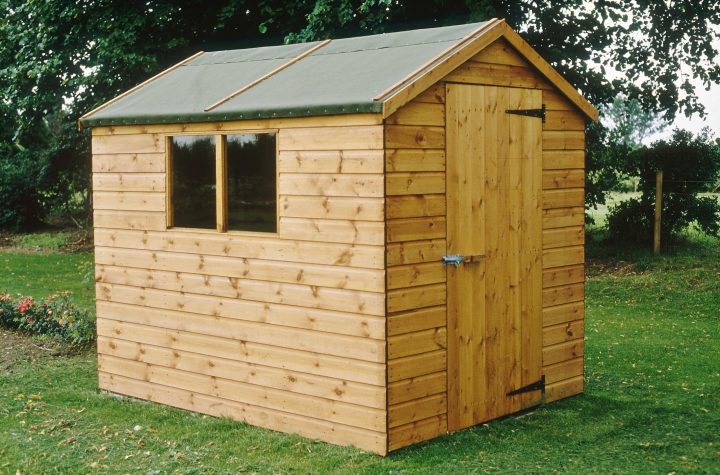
(55, 316)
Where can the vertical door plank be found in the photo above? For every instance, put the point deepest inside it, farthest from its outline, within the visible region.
(516, 226)
(532, 325)
(475, 280)
(453, 113)
(494, 142)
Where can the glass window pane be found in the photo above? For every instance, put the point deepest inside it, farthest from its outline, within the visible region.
(252, 198)
(193, 181)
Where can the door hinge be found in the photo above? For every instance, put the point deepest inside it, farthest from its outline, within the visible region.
(539, 113)
(536, 386)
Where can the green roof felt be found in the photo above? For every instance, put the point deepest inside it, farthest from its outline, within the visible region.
(341, 77)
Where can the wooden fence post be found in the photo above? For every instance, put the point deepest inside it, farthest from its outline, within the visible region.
(658, 211)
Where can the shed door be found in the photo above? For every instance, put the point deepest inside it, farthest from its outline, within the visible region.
(494, 193)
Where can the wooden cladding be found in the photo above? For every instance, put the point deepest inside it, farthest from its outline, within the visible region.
(563, 248)
(416, 291)
(282, 330)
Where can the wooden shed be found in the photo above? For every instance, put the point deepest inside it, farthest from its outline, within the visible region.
(370, 241)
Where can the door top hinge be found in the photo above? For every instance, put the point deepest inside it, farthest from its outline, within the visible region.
(536, 386)
(539, 113)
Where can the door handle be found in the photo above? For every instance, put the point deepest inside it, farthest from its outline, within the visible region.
(457, 259)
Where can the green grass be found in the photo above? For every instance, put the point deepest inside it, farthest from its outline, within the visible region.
(652, 400)
(40, 275)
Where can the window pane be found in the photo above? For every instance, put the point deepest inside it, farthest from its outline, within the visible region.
(251, 182)
(193, 170)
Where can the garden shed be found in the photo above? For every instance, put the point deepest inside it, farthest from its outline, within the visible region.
(370, 241)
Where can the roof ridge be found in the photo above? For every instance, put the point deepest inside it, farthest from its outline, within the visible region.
(320, 53)
(236, 62)
(327, 53)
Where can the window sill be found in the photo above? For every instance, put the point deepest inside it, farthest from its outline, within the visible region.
(224, 233)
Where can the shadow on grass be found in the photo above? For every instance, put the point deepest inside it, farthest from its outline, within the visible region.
(592, 433)
(690, 250)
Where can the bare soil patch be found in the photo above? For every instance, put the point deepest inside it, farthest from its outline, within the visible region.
(16, 347)
(597, 267)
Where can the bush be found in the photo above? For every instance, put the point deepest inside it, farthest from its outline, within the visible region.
(630, 221)
(44, 170)
(56, 316)
(690, 165)
(21, 179)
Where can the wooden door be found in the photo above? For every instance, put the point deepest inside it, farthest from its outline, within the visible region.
(494, 193)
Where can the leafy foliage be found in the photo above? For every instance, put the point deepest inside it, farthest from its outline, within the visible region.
(60, 59)
(55, 316)
(603, 164)
(623, 128)
(691, 165)
(20, 179)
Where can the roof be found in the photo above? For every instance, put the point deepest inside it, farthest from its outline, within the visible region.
(367, 74)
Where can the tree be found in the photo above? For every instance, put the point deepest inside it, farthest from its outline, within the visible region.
(629, 124)
(651, 45)
(59, 59)
(691, 166)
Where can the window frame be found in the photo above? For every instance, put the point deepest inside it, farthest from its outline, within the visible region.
(221, 196)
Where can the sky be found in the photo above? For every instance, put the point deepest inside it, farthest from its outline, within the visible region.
(711, 100)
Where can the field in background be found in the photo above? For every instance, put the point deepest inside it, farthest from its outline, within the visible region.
(600, 214)
(652, 401)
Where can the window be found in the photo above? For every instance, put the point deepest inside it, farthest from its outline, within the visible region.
(193, 181)
(223, 182)
(251, 182)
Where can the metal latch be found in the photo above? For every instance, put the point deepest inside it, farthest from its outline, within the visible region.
(453, 260)
(457, 259)
(536, 386)
(539, 113)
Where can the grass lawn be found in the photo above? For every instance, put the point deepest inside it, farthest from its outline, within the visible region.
(39, 275)
(652, 401)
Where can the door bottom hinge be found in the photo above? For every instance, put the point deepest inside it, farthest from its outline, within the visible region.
(536, 386)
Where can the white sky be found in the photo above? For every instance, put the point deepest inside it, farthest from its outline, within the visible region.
(711, 100)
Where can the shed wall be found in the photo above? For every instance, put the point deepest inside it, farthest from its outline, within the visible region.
(283, 331)
(415, 209)
(416, 213)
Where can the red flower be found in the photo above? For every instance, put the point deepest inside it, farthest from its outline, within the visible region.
(25, 304)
